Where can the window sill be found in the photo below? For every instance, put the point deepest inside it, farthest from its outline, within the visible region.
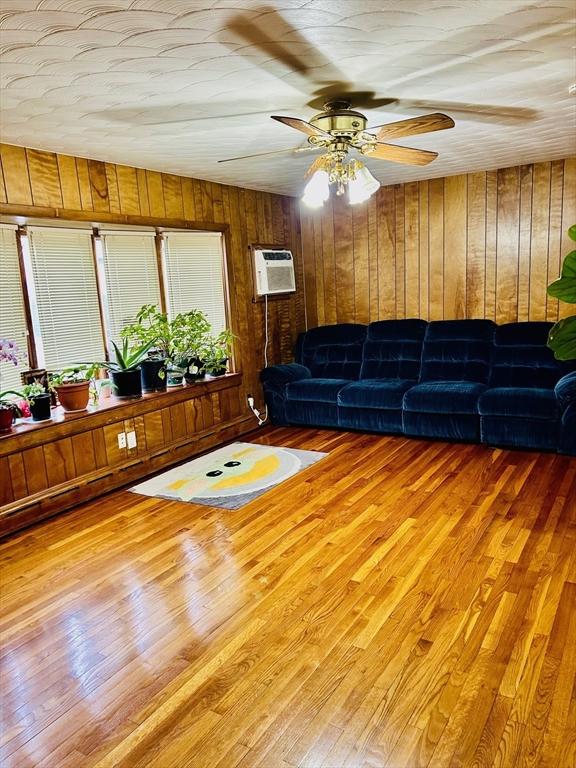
(27, 433)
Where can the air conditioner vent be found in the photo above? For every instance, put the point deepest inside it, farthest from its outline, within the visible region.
(274, 270)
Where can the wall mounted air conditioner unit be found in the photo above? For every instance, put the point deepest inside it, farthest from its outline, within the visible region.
(274, 271)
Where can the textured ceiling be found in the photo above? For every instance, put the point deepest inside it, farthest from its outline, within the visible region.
(176, 85)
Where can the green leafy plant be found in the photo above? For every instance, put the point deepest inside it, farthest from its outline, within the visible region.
(216, 352)
(190, 331)
(177, 340)
(8, 404)
(153, 326)
(562, 336)
(128, 358)
(74, 374)
(31, 391)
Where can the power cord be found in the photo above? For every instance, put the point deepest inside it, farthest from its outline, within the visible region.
(254, 410)
(266, 330)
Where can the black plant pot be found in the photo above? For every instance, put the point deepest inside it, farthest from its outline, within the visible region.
(191, 378)
(40, 407)
(196, 373)
(218, 371)
(126, 384)
(153, 375)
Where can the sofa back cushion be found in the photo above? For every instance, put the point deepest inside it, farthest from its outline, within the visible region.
(457, 350)
(332, 351)
(520, 357)
(393, 349)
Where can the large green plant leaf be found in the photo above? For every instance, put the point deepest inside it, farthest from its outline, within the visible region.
(565, 288)
(562, 339)
(572, 232)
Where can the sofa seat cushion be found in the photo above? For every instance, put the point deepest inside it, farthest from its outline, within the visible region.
(375, 393)
(521, 402)
(316, 390)
(444, 397)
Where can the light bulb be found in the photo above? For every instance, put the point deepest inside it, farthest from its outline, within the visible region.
(317, 191)
(362, 186)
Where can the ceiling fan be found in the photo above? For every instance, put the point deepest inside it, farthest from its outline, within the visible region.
(338, 130)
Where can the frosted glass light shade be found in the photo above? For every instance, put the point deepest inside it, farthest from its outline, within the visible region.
(362, 186)
(317, 191)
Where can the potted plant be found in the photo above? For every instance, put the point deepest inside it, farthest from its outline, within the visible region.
(216, 353)
(174, 375)
(39, 401)
(125, 370)
(175, 345)
(72, 386)
(562, 336)
(9, 410)
(189, 334)
(153, 326)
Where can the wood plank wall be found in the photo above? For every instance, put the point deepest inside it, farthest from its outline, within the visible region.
(46, 469)
(480, 245)
(46, 184)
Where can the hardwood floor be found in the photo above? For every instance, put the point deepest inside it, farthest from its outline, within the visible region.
(400, 603)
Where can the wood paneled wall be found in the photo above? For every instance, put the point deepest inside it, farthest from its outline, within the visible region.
(36, 183)
(480, 245)
(46, 469)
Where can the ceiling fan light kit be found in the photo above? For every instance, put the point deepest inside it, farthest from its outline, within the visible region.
(362, 186)
(317, 191)
(330, 169)
(337, 131)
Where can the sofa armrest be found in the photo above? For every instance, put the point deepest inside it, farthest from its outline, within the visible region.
(274, 380)
(565, 390)
(280, 375)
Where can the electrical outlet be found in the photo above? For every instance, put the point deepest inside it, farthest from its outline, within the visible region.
(121, 439)
(131, 439)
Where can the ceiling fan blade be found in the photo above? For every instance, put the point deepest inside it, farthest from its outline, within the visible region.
(316, 166)
(485, 113)
(292, 151)
(406, 155)
(296, 53)
(413, 126)
(212, 118)
(302, 125)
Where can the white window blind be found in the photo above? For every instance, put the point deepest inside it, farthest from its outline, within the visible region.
(194, 275)
(130, 272)
(65, 298)
(12, 315)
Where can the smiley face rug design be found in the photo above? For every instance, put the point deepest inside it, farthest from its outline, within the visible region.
(231, 476)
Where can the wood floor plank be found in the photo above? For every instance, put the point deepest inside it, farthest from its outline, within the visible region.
(400, 603)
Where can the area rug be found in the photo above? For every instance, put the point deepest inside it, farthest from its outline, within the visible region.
(229, 477)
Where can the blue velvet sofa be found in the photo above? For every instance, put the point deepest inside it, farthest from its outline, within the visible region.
(467, 380)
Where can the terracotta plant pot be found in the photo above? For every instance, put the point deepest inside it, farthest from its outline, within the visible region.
(74, 397)
(6, 420)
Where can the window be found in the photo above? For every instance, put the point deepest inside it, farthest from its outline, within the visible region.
(194, 275)
(82, 286)
(12, 315)
(65, 306)
(130, 270)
